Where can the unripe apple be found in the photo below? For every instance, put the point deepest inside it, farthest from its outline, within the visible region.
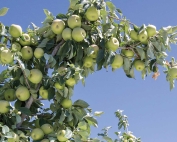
(4, 106)
(62, 71)
(139, 65)
(66, 103)
(74, 21)
(9, 95)
(6, 56)
(95, 48)
(16, 47)
(14, 139)
(22, 93)
(173, 72)
(88, 62)
(143, 36)
(70, 82)
(127, 53)
(57, 26)
(38, 53)
(35, 76)
(45, 140)
(37, 134)
(112, 44)
(58, 86)
(43, 93)
(92, 13)
(118, 61)
(134, 35)
(15, 31)
(27, 53)
(47, 129)
(78, 34)
(61, 136)
(26, 41)
(67, 34)
(151, 30)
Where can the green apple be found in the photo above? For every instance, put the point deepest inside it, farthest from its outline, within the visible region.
(7, 56)
(78, 34)
(4, 106)
(112, 44)
(26, 41)
(82, 125)
(35, 76)
(45, 140)
(118, 61)
(66, 103)
(62, 70)
(143, 36)
(38, 53)
(27, 53)
(95, 51)
(43, 93)
(134, 35)
(14, 139)
(61, 136)
(57, 26)
(16, 47)
(70, 82)
(37, 134)
(58, 86)
(22, 93)
(173, 72)
(47, 129)
(9, 95)
(88, 62)
(15, 31)
(74, 21)
(139, 65)
(128, 53)
(67, 34)
(151, 30)
(92, 13)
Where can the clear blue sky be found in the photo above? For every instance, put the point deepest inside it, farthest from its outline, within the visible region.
(149, 104)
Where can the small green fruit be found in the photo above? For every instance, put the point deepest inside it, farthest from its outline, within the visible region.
(37, 134)
(74, 21)
(6, 56)
(66, 103)
(27, 53)
(134, 35)
(70, 82)
(38, 53)
(151, 30)
(15, 31)
(139, 65)
(88, 62)
(14, 139)
(57, 26)
(26, 41)
(143, 36)
(66, 34)
(22, 93)
(118, 61)
(112, 44)
(45, 140)
(16, 47)
(58, 86)
(47, 129)
(4, 106)
(92, 13)
(127, 53)
(78, 34)
(9, 95)
(95, 53)
(62, 71)
(35, 76)
(61, 136)
(43, 93)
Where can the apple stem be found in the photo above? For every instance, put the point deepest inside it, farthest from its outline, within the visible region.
(31, 99)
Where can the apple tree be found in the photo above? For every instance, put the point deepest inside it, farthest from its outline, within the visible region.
(92, 35)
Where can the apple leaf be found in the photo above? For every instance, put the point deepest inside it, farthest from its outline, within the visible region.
(25, 110)
(77, 138)
(111, 6)
(43, 43)
(3, 11)
(51, 93)
(81, 103)
(68, 133)
(150, 51)
(48, 14)
(127, 64)
(5, 129)
(108, 139)
(27, 72)
(91, 121)
(141, 53)
(98, 113)
(104, 16)
(62, 117)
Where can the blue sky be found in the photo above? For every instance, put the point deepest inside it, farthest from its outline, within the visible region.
(149, 105)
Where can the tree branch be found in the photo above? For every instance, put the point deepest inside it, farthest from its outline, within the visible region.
(31, 99)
